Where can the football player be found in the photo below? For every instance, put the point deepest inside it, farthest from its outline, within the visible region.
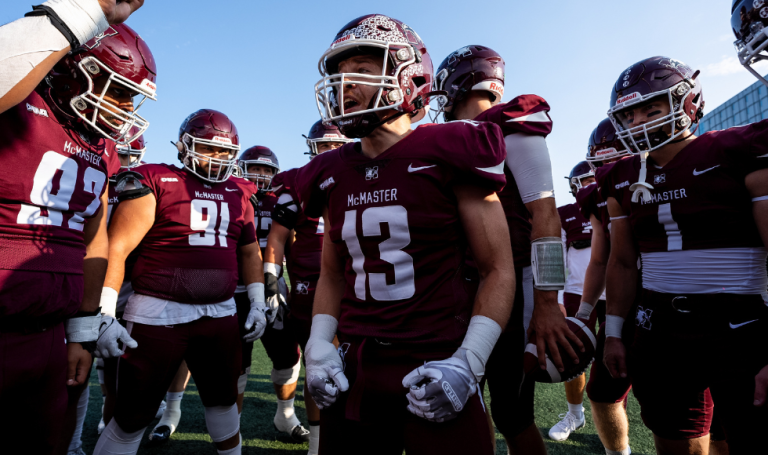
(52, 221)
(400, 209)
(300, 238)
(695, 211)
(748, 22)
(190, 224)
(259, 164)
(577, 236)
(471, 80)
(607, 395)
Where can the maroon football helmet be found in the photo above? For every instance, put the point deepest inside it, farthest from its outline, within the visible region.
(404, 84)
(120, 57)
(208, 127)
(135, 151)
(321, 132)
(261, 156)
(604, 146)
(656, 77)
(749, 19)
(470, 68)
(579, 172)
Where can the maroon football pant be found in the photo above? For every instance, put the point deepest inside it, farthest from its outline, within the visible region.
(211, 347)
(572, 302)
(512, 393)
(686, 346)
(33, 390)
(281, 348)
(376, 404)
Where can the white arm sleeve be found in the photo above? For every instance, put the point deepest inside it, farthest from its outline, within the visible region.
(528, 159)
(26, 42)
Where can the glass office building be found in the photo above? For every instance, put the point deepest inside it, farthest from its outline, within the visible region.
(749, 106)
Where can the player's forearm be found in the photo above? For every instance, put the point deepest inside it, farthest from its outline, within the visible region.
(252, 265)
(94, 270)
(496, 295)
(275, 250)
(31, 46)
(594, 282)
(621, 278)
(330, 290)
(545, 221)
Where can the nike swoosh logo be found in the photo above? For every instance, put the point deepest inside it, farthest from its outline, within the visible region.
(276, 188)
(535, 117)
(231, 189)
(498, 169)
(736, 326)
(695, 172)
(414, 169)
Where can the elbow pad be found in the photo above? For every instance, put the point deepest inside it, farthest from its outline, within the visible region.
(129, 186)
(286, 212)
(548, 264)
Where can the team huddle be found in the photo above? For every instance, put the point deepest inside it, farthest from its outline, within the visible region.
(423, 264)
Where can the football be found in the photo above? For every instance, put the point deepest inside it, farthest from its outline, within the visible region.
(551, 375)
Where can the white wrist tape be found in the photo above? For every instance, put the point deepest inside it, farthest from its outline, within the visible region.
(274, 269)
(585, 310)
(613, 326)
(108, 301)
(84, 17)
(478, 343)
(324, 327)
(82, 330)
(255, 292)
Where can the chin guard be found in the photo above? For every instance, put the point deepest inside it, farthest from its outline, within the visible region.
(548, 264)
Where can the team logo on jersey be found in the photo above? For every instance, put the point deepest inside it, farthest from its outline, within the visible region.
(37, 110)
(643, 318)
(661, 178)
(205, 185)
(371, 173)
(328, 182)
(302, 287)
(169, 179)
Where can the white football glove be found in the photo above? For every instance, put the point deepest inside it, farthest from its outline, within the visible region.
(110, 332)
(256, 319)
(272, 293)
(439, 390)
(325, 369)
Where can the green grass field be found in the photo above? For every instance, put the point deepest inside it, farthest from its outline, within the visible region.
(260, 437)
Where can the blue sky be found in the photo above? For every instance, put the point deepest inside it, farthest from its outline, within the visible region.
(257, 61)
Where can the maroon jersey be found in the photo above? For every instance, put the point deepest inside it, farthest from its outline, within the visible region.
(189, 254)
(264, 218)
(526, 114)
(576, 227)
(307, 249)
(395, 222)
(699, 200)
(53, 180)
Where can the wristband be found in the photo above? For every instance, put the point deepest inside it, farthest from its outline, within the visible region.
(77, 20)
(108, 301)
(585, 310)
(478, 343)
(613, 326)
(274, 269)
(83, 327)
(323, 327)
(255, 292)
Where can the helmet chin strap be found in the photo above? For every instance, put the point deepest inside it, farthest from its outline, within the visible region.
(641, 189)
